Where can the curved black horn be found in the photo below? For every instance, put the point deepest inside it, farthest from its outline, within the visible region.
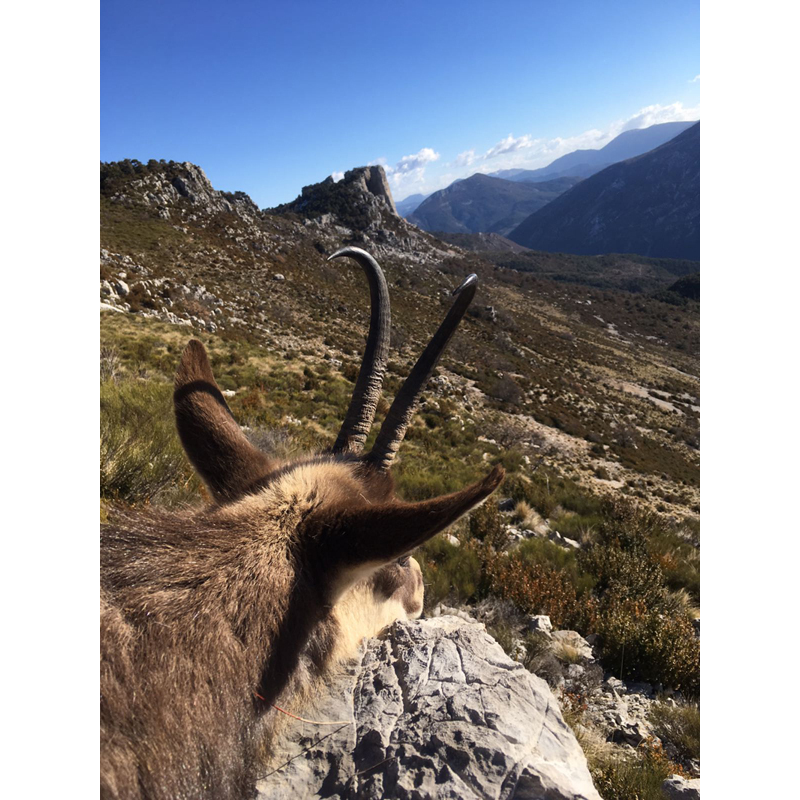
(358, 421)
(397, 420)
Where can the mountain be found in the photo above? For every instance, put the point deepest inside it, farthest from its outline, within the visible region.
(648, 205)
(362, 197)
(481, 242)
(583, 163)
(409, 204)
(483, 204)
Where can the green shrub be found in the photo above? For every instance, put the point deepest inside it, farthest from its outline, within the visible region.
(450, 572)
(678, 725)
(486, 525)
(637, 777)
(545, 553)
(646, 644)
(141, 459)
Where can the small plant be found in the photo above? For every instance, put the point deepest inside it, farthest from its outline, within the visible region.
(522, 512)
(679, 726)
(486, 525)
(141, 459)
(450, 572)
(567, 653)
(637, 777)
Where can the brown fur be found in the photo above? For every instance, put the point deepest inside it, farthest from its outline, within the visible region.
(207, 616)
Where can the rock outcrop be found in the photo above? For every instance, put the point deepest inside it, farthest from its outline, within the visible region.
(360, 197)
(435, 709)
(164, 185)
(677, 788)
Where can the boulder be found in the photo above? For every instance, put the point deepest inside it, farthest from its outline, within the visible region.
(435, 709)
(575, 641)
(677, 788)
(540, 623)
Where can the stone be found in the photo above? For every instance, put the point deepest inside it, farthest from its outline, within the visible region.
(121, 287)
(434, 710)
(452, 539)
(677, 788)
(540, 623)
(278, 277)
(508, 504)
(574, 671)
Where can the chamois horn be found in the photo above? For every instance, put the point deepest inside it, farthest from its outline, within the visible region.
(360, 414)
(397, 420)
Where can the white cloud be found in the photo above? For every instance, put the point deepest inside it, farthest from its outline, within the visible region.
(465, 159)
(337, 176)
(696, 79)
(417, 161)
(655, 115)
(510, 145)
(407, 176)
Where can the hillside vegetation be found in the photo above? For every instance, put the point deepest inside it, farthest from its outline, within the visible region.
(588, 396)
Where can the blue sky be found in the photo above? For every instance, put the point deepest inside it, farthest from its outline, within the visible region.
(268, 97)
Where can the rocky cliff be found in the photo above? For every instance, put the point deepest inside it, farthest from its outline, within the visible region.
(435, 709)
(362, 195)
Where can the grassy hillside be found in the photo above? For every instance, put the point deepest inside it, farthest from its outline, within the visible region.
(588, 396)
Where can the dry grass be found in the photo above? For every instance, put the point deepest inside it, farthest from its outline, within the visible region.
(567, 653)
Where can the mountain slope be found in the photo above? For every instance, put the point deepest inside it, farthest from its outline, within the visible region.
(482, 204)
(409, 204)
(583, 163)
(648, 205)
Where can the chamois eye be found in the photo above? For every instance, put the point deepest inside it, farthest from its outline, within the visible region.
(404, 561)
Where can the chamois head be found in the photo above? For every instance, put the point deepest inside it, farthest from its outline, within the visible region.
(349, 523)
(208, 615)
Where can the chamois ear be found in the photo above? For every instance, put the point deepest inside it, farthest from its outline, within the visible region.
(386, 531)
(228, 464)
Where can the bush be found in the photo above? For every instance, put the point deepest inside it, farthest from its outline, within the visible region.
(646, 644)
(450, 572)
(486, 525)
(679, 726)
(541, 589)
(637, 777)
(141, 459)
(643, 635)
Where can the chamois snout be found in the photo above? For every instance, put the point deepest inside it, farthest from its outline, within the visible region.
(402, 582)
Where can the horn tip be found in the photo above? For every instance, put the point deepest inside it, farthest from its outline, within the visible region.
(470, 280)
(353, 252)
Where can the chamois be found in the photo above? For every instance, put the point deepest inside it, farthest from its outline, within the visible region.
(205, 614)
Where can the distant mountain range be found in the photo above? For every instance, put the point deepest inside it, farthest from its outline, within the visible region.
(648, 205)
(485, 204)
(583, 163)
(409, 204)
